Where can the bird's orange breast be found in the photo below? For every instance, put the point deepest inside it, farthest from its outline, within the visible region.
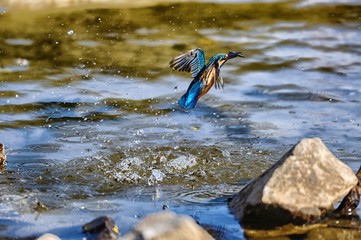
(208, 80)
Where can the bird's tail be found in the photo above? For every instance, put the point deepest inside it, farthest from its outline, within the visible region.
(190, 98)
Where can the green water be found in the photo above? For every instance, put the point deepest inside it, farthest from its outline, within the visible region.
(89, 117)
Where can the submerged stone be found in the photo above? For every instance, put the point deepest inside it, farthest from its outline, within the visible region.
(304, 184)
(288, 229)
(334, 233)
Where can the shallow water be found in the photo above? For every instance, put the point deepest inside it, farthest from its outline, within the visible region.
(90, 121)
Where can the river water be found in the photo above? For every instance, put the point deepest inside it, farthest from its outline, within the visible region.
(89, 118)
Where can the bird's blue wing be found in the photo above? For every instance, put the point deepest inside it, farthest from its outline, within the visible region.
(191, 61)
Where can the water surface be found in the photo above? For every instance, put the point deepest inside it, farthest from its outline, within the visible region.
(90, 121)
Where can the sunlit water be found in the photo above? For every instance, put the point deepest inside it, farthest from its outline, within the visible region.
(90, 121)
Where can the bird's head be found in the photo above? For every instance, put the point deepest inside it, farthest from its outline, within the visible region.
(223, 58)
(232, 54)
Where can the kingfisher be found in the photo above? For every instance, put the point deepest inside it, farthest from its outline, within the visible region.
(204, 75)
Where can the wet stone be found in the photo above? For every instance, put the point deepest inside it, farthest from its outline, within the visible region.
(2, 155)
(167, 225)
(303, 185)
(41, 207)
(352, 199)
(48, 236)
(102, 228)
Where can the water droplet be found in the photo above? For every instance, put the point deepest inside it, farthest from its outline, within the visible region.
(158, 175)
(22, 62)
(162, 159)
(226, 154)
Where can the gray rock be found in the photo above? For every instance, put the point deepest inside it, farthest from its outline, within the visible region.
(102, 228)
(167, 225)
(304, 184)
(48, 236)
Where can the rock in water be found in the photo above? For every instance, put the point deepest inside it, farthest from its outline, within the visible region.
(352, 199)
(2, 155)
(167, 225)
(102, 228)
(305, 183)
(48, 236)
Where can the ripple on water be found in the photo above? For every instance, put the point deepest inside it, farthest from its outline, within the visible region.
(18, 41)
(88, 43)
(293, 92)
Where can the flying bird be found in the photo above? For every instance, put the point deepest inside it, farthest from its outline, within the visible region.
(204, 75)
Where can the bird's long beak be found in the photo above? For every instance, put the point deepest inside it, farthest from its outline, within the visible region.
(233, 55)
(239, 54)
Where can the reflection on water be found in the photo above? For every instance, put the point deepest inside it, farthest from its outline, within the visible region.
(88, 106)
